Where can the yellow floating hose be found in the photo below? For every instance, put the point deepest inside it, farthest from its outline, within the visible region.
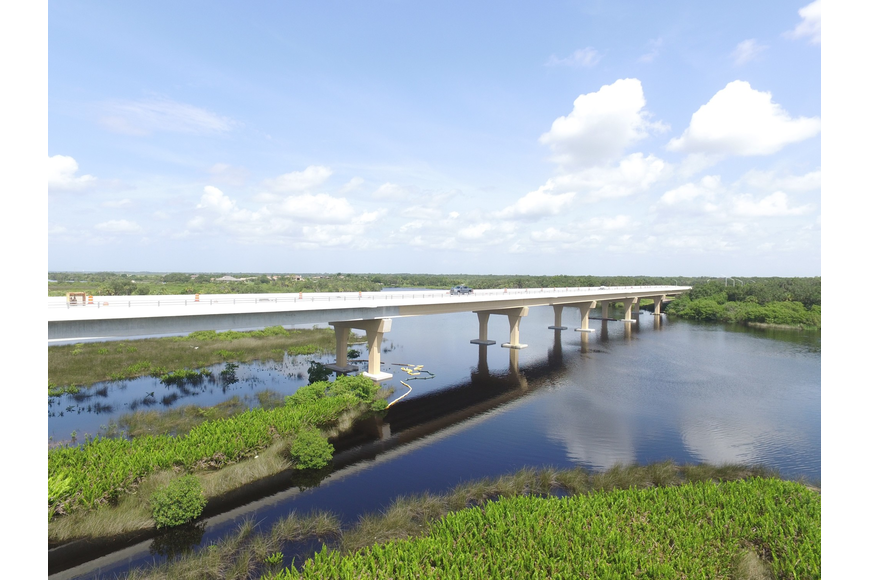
(403, 396)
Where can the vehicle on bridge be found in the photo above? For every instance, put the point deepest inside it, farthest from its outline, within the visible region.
(461, 289)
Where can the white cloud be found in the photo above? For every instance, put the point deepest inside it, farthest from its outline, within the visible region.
(607, 224)
(311, 177)
(585, 57)
(739, 120)
(601, 125)
(746, 51)
(119, 227)
(146, 116)
(770, 181)
(775, 204)
(62, 175)
(214, 199)
(537, 204)
(633, 174)
(707, 189)
(810, 24)
(320, 208)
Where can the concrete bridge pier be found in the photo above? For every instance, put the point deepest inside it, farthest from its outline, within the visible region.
(657, 302)
(605, 309)
(585, 307)
(629, 304)
(483, 320)
(514, 315)
(374, 330)
(557, 323)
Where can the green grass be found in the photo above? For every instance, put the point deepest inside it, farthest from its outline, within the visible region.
(660, 520)
(699, 530)
(89, 363)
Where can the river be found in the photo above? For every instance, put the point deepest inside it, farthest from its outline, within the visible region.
(626, 393)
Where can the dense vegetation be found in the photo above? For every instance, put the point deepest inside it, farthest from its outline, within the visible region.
(697, 531)
(663, 519)
(102, 469)
(781, 301)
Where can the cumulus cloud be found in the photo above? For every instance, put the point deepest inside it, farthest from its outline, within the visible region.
(215, 200)
(62, 175)
(146, 116)
(771, 181)
(320, 208)
(633, 174)
(775, 204)
(601, 125)
(585, 57)
(746, 51)
(706, 189)
(537, 204)
(310, 177)
(739, 120)
(810, 25)
(119, 227)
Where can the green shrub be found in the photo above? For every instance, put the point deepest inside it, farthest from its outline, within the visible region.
(311, 450)
(178, 503)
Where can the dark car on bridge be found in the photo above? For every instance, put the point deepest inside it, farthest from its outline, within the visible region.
(461, 289)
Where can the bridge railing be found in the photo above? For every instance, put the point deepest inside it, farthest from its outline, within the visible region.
(225, 299)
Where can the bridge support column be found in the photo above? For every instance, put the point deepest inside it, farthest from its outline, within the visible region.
(513, 314)
(557, 323)
(585, 307)
(514, 320)
(483, 319)
(604, 309)
(375, 330)
(657, 301)
(629, 305)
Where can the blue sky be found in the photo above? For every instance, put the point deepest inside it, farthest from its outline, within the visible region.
(634, 138)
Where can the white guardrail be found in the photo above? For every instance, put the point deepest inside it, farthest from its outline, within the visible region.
(212, 299)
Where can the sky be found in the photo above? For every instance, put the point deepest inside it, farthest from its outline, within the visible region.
(577, 138)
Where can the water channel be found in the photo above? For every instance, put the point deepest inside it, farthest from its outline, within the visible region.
(627, 393)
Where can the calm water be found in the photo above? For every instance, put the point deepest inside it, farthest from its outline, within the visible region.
(670, 390)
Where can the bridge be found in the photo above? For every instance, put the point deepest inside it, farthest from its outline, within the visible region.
(100, 317)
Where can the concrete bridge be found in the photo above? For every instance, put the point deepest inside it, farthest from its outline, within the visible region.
(102, 317)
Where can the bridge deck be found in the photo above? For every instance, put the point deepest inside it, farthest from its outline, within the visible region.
(144, 315)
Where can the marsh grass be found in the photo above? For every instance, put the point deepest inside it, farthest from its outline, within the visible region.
(245, 553)
(89, 363)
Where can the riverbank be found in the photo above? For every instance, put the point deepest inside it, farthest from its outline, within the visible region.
(663, 520)
(77, 365)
